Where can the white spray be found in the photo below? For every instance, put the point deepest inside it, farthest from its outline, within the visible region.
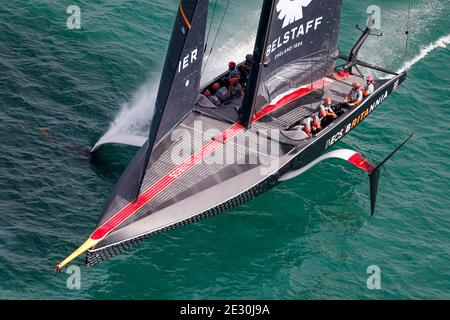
(440, 43)
(133, 121)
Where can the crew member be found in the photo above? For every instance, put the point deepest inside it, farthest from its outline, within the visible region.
(223, 94)
(233, 72)
(326, 114)
(307, 126)
(327, 104)
(334, 111)
(215, 87)
(207, 93)
(245, 69)
(355, 96)
(369, 89)
(212, 98)
(316, 127)
(236, 88)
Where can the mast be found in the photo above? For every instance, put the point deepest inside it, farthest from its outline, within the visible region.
(259, 60)
(180, 80)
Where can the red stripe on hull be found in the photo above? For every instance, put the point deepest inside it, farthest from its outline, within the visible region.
(291, 97)
(164, 182)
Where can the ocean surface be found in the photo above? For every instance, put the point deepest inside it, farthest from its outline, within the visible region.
(310, 238)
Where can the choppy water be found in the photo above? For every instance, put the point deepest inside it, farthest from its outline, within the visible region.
(303, 240)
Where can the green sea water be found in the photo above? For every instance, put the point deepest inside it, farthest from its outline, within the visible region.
(310, 238)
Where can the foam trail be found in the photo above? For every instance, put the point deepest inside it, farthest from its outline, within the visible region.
(129, 140)
(133, 121)
(440, 43)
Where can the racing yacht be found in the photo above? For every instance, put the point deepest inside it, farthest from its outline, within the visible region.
(201, 159)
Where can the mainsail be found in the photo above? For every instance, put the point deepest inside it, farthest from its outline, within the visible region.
(299, 41)
(178, 91)
(180, 81)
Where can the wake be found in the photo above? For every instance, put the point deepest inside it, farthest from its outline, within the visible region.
(440, 43)
(132, 124)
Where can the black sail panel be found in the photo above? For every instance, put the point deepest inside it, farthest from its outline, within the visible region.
(180, 80)
(302, 45)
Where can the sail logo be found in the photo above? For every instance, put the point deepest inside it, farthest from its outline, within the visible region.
(188, 60)
(290, 13)
(295, 33)
(291, 10)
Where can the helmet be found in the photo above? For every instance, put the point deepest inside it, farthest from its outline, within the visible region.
(369, 78)
(356, 85)
(232, 64)
(322, 112)
(234, 81)
(207, 93)
(316, 122)
(216, 86)
(328, 101)
(307, 129)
